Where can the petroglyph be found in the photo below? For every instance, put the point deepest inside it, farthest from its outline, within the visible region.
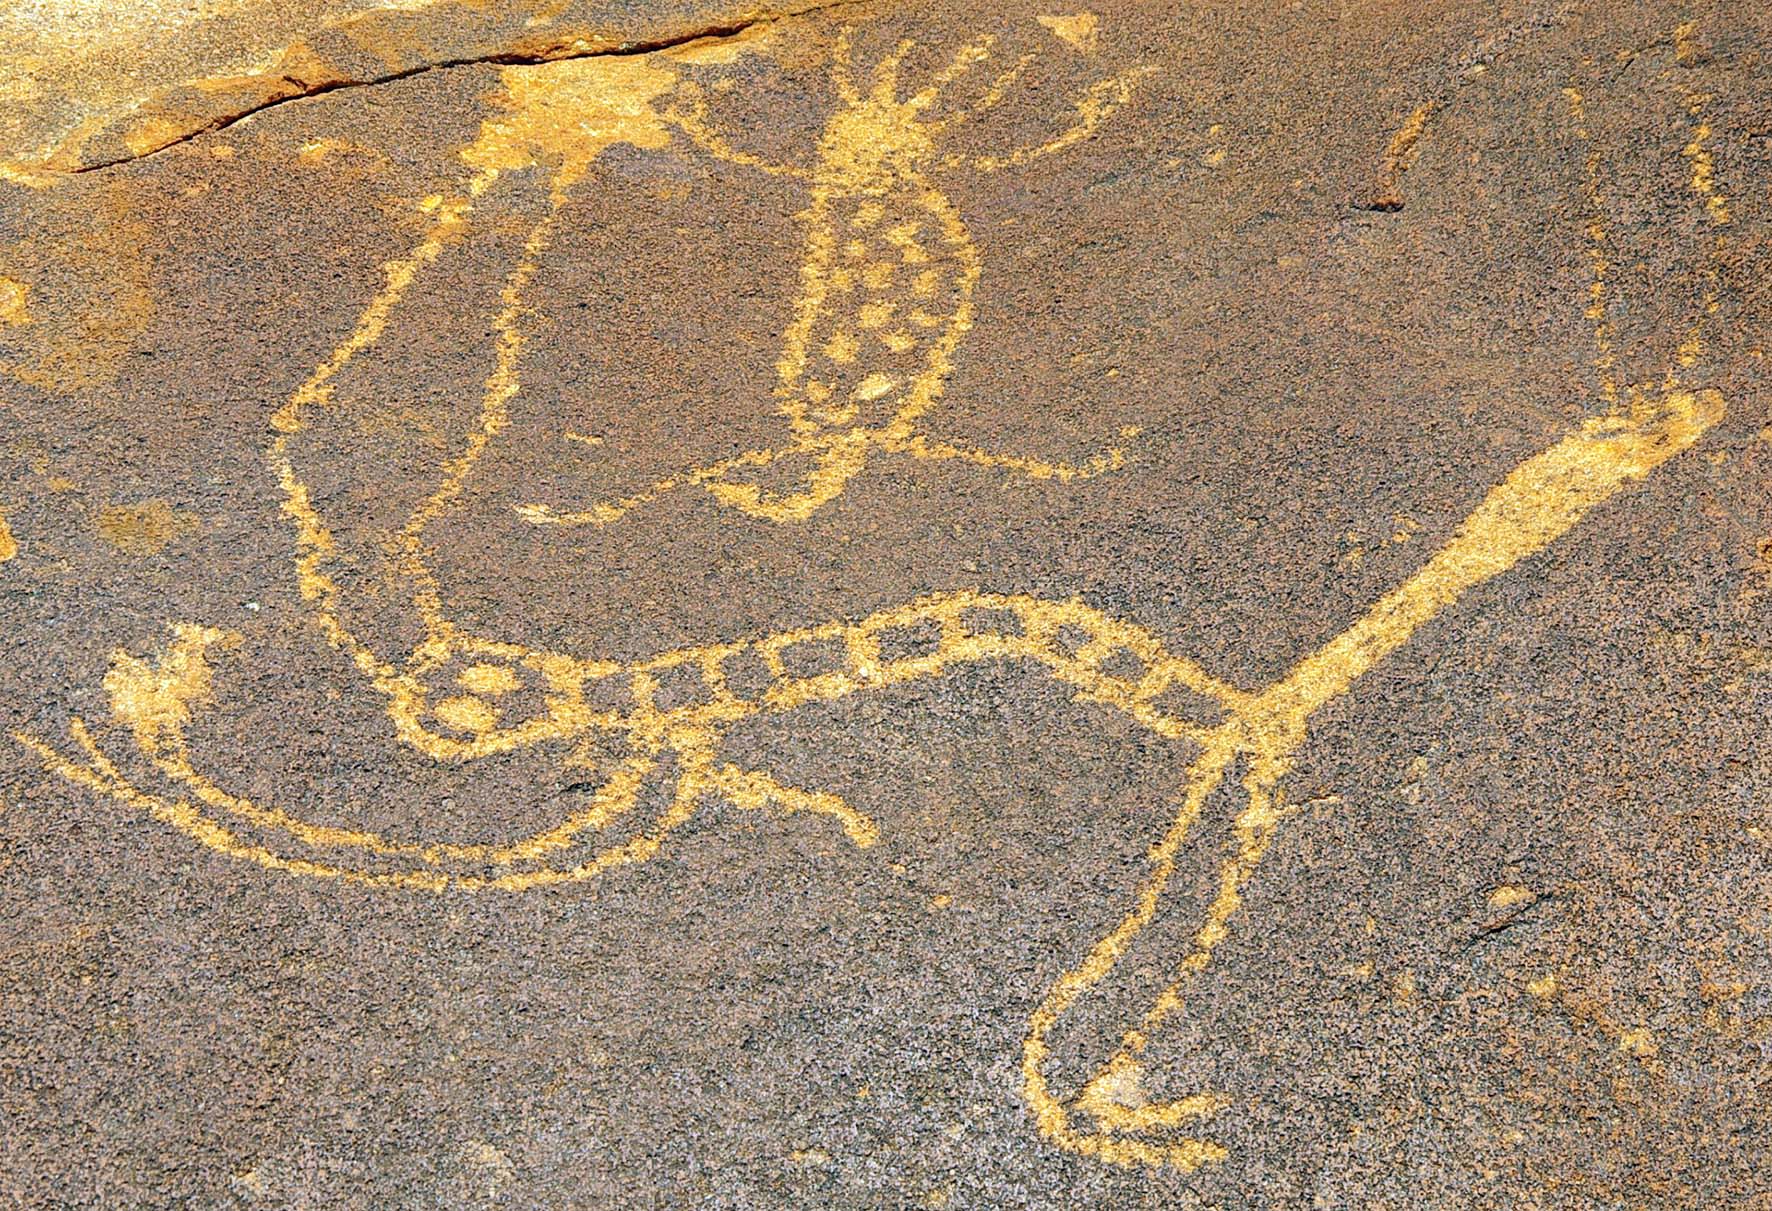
(460, 696)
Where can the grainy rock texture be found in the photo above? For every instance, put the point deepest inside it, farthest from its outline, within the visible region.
(629, 605)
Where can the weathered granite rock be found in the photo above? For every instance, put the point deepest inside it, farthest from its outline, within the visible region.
(656, 605)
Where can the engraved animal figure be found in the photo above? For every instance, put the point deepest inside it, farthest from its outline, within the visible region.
(458, 696)
(887, 276)
(1536, 504)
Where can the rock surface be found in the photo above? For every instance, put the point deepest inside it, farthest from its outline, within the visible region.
(629, 605)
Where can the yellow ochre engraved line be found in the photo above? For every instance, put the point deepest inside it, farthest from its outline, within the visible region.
(1598, 266)
(1536, 504)
(874, 162)
(154, 701)
(1533, 506)
(1704, 178)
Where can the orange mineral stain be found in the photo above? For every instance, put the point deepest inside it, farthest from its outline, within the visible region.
(142, 529)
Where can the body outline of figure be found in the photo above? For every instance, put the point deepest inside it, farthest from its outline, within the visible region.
(872, 184)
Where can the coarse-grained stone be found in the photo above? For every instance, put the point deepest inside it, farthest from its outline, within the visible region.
(624, 605)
